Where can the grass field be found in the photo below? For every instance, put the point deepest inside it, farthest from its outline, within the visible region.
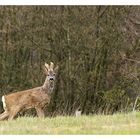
(96, 124)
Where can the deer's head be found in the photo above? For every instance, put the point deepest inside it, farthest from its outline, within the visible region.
(50, 72)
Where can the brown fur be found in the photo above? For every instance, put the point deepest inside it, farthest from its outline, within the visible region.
(33, 98)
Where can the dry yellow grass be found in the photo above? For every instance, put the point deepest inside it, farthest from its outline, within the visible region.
(96, 124)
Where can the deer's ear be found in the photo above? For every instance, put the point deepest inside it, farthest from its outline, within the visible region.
(56, 69)
(45, 70)
(47, 66)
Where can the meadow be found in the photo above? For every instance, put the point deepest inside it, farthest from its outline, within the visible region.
(119, 123)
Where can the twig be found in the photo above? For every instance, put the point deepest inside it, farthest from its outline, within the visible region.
(134, 107)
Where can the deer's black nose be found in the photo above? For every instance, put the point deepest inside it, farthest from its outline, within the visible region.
(51, 78)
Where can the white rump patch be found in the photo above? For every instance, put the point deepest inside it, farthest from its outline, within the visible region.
(3, 101)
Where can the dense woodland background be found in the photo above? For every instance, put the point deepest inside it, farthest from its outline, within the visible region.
(96, 47)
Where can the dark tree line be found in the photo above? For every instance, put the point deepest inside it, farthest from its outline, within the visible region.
(96, 47)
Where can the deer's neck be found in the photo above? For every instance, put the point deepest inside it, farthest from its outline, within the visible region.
(48, 86)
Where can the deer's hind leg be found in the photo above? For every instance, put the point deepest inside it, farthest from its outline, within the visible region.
(13, 112)
(4, 115)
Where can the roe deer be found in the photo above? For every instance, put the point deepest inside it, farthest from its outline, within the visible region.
(33, 98)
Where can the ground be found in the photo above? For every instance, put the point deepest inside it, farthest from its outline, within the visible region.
(94, 124)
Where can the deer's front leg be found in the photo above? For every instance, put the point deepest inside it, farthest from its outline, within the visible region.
(40, 112)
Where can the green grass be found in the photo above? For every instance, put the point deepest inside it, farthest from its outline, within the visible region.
(96, 124)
